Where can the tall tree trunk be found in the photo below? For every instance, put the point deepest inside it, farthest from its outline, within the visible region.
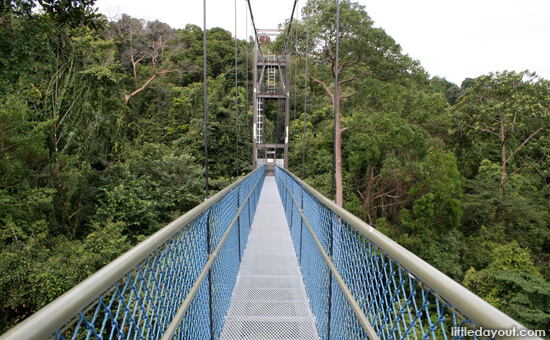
(504, 163)
(504, 160)
(337, 141)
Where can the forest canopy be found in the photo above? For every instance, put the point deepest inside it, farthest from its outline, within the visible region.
(101, 145)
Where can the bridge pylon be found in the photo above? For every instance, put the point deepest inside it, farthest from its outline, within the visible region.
(271, 94)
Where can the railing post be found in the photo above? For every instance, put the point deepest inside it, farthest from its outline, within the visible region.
(210, 290)
(331, 240)
(239, 220)
(301, 225)
(291, 215)
(210, 284)
(249, 217)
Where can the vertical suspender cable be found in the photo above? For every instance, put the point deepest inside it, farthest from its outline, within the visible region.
(295, 79)
(291, 136)
(205, 104)
(277, 126)
(305, 96)
(211, 310)
(247, 89)
(336, 106)
(295, 88)
(336, 95)
(236, 95)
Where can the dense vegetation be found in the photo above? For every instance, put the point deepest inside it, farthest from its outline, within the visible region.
(101, 144)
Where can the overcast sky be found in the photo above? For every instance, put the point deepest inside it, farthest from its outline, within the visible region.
(451, 39)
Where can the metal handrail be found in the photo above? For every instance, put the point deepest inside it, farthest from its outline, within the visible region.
(60, 311)
(472, 306)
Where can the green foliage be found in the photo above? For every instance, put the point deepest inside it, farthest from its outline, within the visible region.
(152, 185)
(501, 142)
(367, 49)
(440, 190)
(429, 228)
(38, 270)
(451, 91)
(83, 177)
(70, 13)
(388, 144)
(221, 126)
(24, 203)
(504, 116)
(512, 283)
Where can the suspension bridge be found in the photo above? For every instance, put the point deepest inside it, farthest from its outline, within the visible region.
(268, 257)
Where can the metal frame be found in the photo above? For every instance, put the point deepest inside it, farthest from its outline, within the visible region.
(55, 315)
(469, 304)
(261, 93)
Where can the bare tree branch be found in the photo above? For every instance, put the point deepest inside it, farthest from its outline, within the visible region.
(4, 148)
(345, 64)
(513, 173)
(348, 95)
(483, 129)
(129, 96)
(324, 85)
(523, 144)
(354, 77)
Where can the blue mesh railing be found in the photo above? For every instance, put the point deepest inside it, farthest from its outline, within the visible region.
(363, 285)
(178, 282)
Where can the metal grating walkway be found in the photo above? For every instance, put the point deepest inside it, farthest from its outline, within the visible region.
(269, 300)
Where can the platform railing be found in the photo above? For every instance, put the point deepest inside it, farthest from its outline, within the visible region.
(361, 284)
(178, 281)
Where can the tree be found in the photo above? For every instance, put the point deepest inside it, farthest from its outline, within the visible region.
(450, 90)
(145, 44)
(508, 113)
(513, 284)
(71, 13)
(74, 190)
(364, 52)
(151, 185)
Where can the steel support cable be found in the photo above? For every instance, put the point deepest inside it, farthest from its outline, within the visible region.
(305, 93)
(205, 103)
(277, 126)
(345, 290)
(288, 30)
(247, 89)
(295, 92)
(174, 324)
(236, 95)
(336, 99)
(255, 30)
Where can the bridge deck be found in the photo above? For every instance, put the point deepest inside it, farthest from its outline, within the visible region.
(269, 300)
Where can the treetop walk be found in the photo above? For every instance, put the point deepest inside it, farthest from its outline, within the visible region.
(179, 283)
(268, 257)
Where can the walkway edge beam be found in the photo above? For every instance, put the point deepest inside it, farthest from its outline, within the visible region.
(60, 311)
(345, 290)
(468, 303)
(173, 327)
